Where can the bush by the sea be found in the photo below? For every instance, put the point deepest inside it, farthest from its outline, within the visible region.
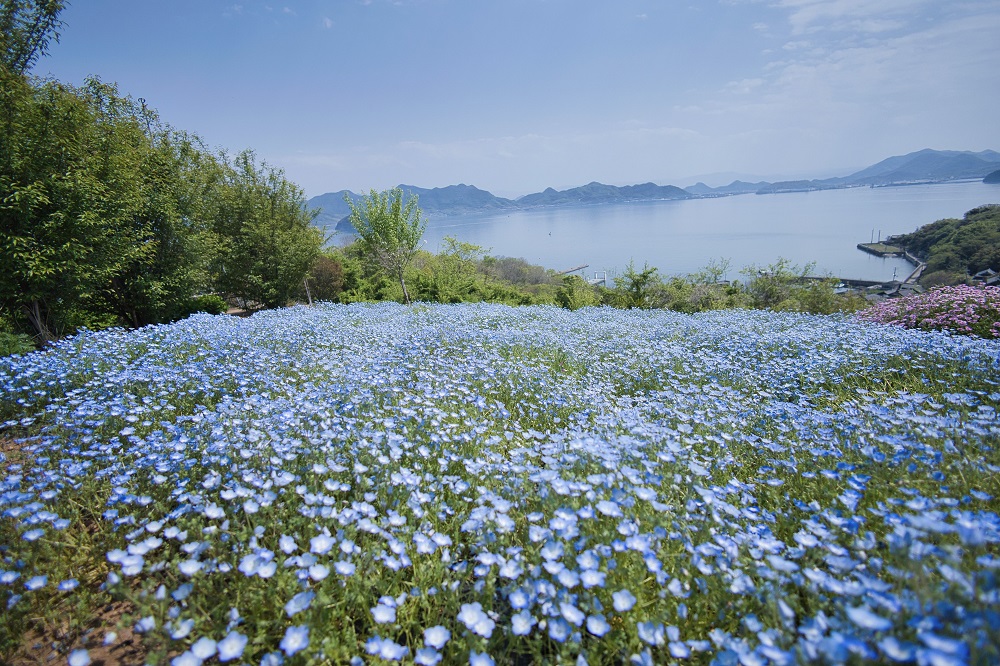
(962, 309)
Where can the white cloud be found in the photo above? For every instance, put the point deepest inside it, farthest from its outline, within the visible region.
(867, 83)
(744, 86)
(327, 22)
(812, 15)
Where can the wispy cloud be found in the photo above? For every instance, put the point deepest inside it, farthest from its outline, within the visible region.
(327, 22)
(873, 15)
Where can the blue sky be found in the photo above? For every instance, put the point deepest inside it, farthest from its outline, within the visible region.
(517, 95)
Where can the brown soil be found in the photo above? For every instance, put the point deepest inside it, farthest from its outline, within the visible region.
(53, 643)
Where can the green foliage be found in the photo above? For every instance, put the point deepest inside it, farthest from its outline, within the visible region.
(208, 303)
(326, 278)
(26, 28)
(451, 276)
(269, 240)
(389, 230)
(576, 293)
(784, 286)
(70, 165)
(954, 249)
(637, 289)
(15, 343)
(112, 218)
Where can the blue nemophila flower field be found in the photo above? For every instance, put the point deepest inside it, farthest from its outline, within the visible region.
(479, 484)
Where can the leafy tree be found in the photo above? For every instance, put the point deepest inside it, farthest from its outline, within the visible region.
(66, 191)
(104, 210)
(268, 242)
(575, 293)
(636, 289)
(26, 28)
(451, 276)
(326, 278)
(389, 230)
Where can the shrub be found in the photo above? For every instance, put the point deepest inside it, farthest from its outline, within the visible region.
(959, 309)
(210, 303)
(15, 343)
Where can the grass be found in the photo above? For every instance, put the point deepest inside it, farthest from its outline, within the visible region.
(766, 487)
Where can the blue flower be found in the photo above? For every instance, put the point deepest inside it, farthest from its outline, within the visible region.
(384, 614)
(299, 602)
(69, 584)
(480, 659)
(476, 620)
(203, 648)
(36, 582)
(321, 544)
(79, 658)
(386, 649)
(559, 630)
(231, 647)
(436, 636)
(427, 657)
(623, 600)
(182, 629)
(866, 619)
(287, 544)
(521, 623)
(572, 614)
(185, 658)
(597, 625)
(651, 632)
(295, 640)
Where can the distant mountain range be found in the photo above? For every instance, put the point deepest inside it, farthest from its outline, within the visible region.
(923, 166)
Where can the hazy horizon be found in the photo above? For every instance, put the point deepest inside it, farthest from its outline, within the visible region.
(518, 96)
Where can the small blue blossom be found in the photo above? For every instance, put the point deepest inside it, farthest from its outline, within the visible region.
(597, 625)
(299, 602)
(231, 647)
(521, 623)
(480, 659)
(295, 640)
(436, 637)
(623, 600)
(36, 582)
(79, 658)
(203, 648)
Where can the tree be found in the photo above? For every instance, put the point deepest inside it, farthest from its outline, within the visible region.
(268, 242)
(26, 28)
(103, 210)
(637, 289)
(66, 182)
(575, 293)
(389, 230)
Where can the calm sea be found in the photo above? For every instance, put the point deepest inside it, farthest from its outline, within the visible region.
(680, 237)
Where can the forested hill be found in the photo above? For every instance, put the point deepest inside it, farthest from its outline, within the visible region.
(467, 199)
(921, 166)
(954, 249)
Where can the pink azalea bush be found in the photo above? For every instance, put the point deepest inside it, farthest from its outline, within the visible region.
(960, 309)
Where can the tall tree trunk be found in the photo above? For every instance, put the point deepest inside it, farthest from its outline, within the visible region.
(406, 294)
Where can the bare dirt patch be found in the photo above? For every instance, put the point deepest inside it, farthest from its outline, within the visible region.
(51, 643)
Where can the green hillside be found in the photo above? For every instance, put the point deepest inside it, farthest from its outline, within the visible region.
(955, 249)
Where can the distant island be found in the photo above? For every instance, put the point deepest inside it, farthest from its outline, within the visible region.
(921, 167)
